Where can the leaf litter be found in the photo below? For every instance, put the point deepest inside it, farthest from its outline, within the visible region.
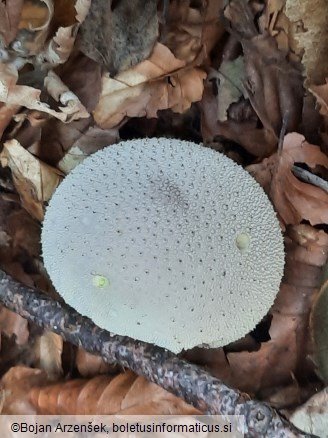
(230, 76)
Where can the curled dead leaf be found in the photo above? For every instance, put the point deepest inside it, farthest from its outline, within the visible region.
(35, 181)
(23, 95)
(33, 27)
(241, 128)
(293, 199)
(59, 48)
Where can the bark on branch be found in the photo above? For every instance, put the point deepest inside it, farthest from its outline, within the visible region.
(158, 365)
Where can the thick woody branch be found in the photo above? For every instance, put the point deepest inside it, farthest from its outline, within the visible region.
(158, 365)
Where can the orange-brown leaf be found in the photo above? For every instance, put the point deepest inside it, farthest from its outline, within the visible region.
(293, 199)
(102, 395)
(90, 365)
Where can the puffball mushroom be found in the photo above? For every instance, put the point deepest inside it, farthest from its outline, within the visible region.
(165, 241)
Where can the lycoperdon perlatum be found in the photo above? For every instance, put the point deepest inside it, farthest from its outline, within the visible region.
(165, 241)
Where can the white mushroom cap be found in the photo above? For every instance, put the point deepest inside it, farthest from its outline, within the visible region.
(165, 241)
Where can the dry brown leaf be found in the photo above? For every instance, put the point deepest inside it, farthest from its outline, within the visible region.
(146, 88)
(65, 145)
(90, 365)
(101, 395)
(287, 396)
(275, 22)
(293, 200)
(73, 108)
(191, 31)
(7, 111)
(13, 325)
(83, 77)
(285, 357)
(242, 129)
(274, 85)
(34, 181)
(59, 47)
(10, 13)
(15, 387)
(320, 92)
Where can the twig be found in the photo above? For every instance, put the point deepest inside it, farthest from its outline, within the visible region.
(308, 177)
(158, 365)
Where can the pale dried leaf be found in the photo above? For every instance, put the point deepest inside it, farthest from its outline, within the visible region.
(72, 108)
(35, 181)
(82, 8)
(59, 47)
(48, 350)
(22, 95)
(312, 417)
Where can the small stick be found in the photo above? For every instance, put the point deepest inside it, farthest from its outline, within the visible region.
(156, 364)
(308, 177)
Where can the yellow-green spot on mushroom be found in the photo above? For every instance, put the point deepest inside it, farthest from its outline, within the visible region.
(100, 281)
(243, 242)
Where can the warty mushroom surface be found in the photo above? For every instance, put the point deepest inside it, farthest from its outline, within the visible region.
(165, 241)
